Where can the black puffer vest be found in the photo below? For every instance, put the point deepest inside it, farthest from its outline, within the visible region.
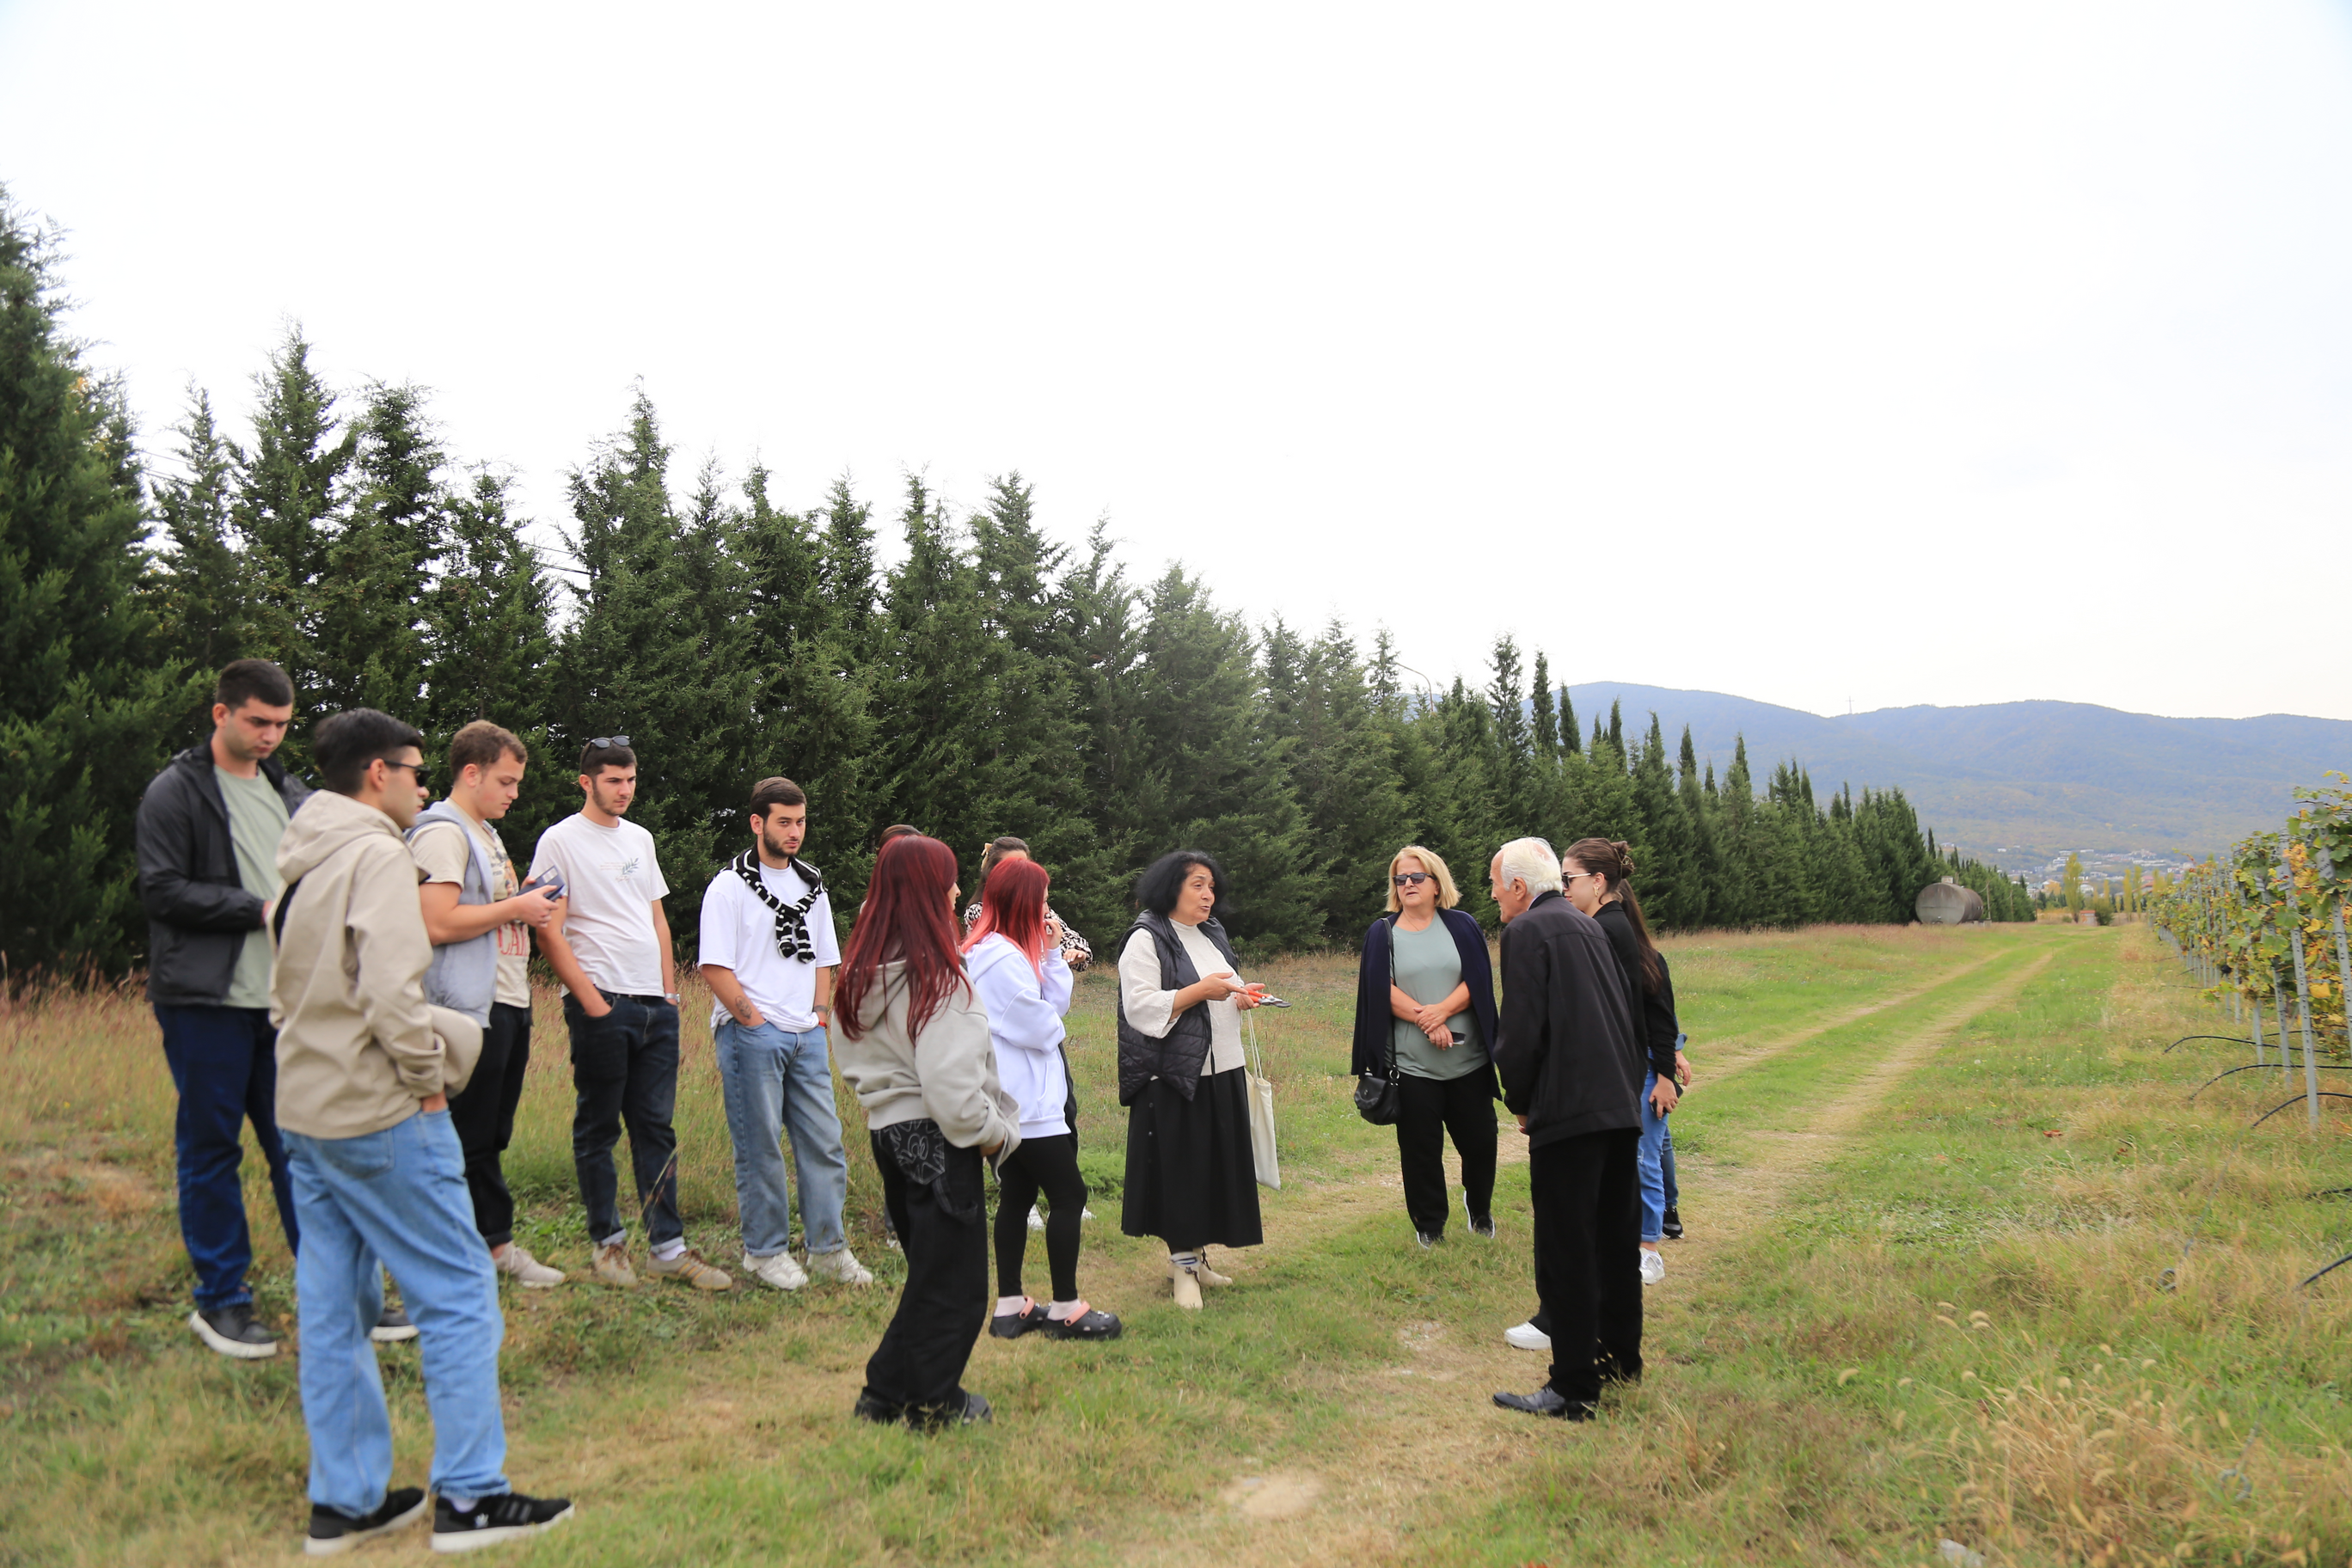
(1178, 1055)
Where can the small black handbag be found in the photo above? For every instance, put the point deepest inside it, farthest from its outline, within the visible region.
(1377, 1096)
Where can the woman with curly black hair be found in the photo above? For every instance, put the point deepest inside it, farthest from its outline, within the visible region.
(1192, 1179)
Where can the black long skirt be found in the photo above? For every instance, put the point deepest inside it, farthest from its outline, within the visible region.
(1191, 1178)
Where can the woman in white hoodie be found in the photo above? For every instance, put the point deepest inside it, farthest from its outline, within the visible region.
(915, 1048)
(1014, 956)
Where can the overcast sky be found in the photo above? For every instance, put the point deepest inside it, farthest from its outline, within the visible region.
(1895, 354)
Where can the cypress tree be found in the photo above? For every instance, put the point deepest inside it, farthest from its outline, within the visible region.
(86, 709)
(201, 595)
(1546, 716)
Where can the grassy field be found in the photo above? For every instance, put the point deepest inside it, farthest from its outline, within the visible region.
(1933, 1180)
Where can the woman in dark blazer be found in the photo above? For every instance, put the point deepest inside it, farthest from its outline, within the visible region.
(1426, 1007)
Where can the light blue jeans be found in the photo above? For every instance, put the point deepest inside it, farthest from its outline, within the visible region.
(776, 1083)
(1654, 1176)
(398, 1196)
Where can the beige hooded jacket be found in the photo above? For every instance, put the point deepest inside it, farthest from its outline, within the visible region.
(358, 1047)
(948, 1073)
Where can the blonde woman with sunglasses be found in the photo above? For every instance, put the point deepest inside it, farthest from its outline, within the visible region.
(1425, 1012)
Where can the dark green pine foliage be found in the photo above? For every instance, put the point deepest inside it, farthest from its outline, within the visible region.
(932, 694)
(1546, 715)
(653, 653)
(1030, 740)
(86, 709)
(1520, 801)
(809, 700)
(1102, 630)
(847, 568)
(1216, 778)
(1569, 740)
(368, 615)
(201, 598)
(1734, 891)
(1343, 767)
(1699, 894)
(1464, 822)
(290, 496)
(1664, 860)
(1609, 807)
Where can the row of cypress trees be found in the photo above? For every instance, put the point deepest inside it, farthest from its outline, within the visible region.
(990, 680)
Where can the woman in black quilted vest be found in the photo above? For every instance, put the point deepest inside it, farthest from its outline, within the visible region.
(1192, 1179)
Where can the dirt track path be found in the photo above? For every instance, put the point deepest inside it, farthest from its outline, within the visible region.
(1426, 1421)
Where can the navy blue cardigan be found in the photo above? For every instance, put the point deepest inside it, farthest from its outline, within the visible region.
(1374, 1036)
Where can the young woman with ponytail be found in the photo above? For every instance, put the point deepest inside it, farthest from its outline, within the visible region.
(1597, 874)
(1023, 980)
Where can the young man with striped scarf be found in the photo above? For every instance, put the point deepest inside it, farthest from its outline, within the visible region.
(769, 951)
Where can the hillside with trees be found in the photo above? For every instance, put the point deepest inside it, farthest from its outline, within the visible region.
(988, 679)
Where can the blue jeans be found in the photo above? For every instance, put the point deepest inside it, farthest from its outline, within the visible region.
(1653, 1177)
(779, 1082)
(625, 1066)
(224, 1062)
(399, 1195)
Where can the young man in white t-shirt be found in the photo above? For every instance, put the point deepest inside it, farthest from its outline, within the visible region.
(480, 922)
(612, 951)
(770, 953)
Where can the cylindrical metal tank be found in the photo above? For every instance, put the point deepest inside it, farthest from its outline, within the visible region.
(1946, 903)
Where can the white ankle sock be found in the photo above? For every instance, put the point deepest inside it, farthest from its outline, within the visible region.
(1010, 1306)
(1185, 1259)
(1061, 1310)
(669, 1249)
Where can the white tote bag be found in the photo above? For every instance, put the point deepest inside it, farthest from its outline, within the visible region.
(1261, 1106)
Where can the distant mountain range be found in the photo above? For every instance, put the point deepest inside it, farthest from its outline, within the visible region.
(2015, 783)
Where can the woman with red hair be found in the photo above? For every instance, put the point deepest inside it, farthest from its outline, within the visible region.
(1023, 980)
(915, 1049)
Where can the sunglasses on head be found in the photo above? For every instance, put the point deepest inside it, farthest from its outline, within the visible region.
(602, 741)
(1410, 878)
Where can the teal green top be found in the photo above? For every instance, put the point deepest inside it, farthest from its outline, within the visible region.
(257, 820)
(1428, 968)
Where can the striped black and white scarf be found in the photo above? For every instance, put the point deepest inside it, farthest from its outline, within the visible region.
(793, 939)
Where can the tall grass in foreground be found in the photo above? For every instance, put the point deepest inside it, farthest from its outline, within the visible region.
(1944, 1322)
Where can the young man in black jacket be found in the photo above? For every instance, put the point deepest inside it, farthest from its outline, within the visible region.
(1571, 1071)
(207, 843)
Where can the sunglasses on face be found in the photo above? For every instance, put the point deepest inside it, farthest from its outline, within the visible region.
(422, 771)
(1410, 878)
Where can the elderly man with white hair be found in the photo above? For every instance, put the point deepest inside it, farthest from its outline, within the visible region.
(1572, 1069)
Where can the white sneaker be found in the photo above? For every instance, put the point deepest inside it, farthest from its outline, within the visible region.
(525, 1271)
(1654, 1268)
(1526, 1337)
(838, 1267)
(780, 1271)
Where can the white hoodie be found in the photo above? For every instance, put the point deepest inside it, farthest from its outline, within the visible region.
(1026, 1009)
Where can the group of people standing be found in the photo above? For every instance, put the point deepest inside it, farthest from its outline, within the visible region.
(1584, 1048)
(348, 971)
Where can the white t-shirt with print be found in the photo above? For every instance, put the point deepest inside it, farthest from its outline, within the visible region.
(611, 879)
(739, 933)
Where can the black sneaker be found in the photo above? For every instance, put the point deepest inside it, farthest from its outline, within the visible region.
(334, 1532)
(1483, 1225)
(881, 1412)
(973, 1411)
(510, 1516)
(1428, 1238)
(392, 1326)
(233, 1331)
(1672, 1228)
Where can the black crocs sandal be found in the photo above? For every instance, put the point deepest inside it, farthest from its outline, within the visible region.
(1012, 1325)
(1089, 1324)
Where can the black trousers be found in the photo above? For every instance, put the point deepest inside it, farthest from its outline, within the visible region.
(943, 1229)
(484, 1119)
(1050, 1166)
(624, 1068)
(1587, 1195)
(1429, 1110)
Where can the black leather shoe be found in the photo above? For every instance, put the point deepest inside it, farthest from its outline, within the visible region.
(1012, 1325)
(1672, 1228)
(1089, 1324)
(1546, 1401)
(974, 1412)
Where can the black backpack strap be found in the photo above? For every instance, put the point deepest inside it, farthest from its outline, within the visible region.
(278, 920)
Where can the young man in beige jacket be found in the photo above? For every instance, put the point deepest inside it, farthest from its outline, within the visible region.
(365, 1069)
